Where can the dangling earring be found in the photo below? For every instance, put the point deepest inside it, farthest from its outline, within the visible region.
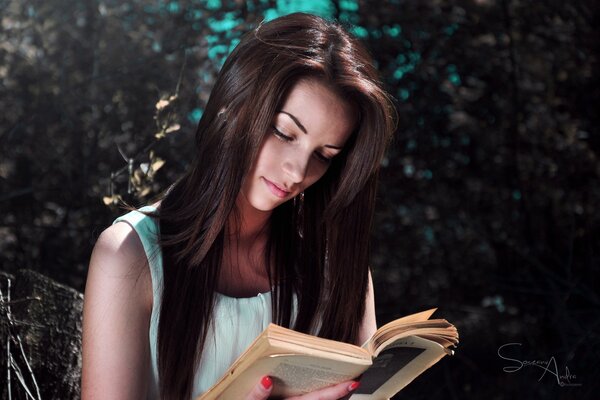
(299, 206)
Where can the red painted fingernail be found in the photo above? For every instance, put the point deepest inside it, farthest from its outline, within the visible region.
(353, 386)
(266, 382)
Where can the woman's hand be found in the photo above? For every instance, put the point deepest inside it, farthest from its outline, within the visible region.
(263, 389)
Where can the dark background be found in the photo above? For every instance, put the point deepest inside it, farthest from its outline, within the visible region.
(487, 205)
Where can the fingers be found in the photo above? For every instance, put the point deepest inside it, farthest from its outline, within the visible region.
(262, 390)
(330, 393)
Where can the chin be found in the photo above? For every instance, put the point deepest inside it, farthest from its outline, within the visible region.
(267, 206)
(264, 206)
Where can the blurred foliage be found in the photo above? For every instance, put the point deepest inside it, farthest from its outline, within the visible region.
(487, 205)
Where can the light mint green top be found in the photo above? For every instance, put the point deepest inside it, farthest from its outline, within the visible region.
(237, 321)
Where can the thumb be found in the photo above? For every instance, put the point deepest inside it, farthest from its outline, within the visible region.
(262, 390)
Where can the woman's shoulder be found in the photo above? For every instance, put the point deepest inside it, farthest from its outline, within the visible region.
(120, 240)
(147, 215)
(119, 262)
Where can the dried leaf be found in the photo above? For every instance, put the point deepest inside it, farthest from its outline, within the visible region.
(173, 128)
(162, 104)
(157, 164)
(137, 177)
(111, 200)
(144, 191)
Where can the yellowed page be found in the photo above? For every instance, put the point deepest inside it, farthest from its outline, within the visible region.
(277, 341)
(292, 375)
(381, 342)
(407, 320)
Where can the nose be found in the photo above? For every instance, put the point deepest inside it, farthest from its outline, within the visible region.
(295, 167)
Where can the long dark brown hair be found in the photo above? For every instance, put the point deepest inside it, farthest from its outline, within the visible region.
(326, 266)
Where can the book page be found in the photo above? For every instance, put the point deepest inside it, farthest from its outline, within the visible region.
(393, 325)
(292, 375)
(396, 366)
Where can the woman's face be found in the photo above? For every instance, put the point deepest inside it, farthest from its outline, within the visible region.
(309, 130)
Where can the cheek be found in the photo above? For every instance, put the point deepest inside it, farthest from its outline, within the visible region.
(266, 156)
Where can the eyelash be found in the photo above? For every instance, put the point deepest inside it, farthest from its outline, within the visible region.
(281, 135)
(285, 138)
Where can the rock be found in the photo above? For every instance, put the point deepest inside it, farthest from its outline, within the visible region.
(40, 329)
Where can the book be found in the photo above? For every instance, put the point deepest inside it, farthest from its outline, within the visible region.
(299, 363)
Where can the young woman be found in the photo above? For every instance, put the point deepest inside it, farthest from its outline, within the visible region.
(269, 224)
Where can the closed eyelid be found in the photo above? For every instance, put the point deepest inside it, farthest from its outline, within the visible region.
(285, 127)
(303, 129)
(281, 132)
(295, 120)
(329, 155)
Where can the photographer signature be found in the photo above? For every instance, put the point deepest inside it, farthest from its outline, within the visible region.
(549, 366)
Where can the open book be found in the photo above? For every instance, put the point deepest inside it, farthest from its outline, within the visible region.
(299, 363)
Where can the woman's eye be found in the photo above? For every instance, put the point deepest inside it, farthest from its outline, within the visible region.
(323, 158)
(281, 135)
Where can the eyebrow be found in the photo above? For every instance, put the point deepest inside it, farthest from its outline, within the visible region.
(298, 123)
(303, 129)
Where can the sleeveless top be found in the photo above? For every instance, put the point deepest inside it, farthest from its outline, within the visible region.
(237, 321)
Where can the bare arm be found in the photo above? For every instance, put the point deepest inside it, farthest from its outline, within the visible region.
(116, 318)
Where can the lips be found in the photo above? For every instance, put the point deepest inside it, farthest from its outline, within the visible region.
(275, 189)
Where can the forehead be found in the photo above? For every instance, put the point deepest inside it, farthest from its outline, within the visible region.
(320, 109)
